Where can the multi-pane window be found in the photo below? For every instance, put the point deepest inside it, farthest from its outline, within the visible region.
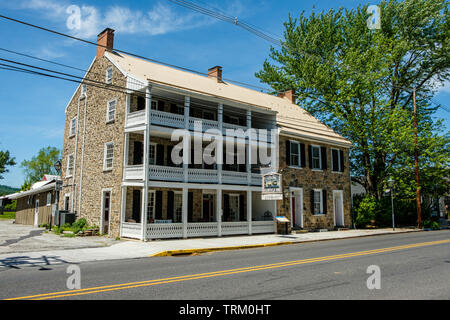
(295, 154)
(109, 156)
(70, 160)
(318, 202)
(316, 159)
(178, 206)
(109, 73)
(111, 111)
(152, 153)
(49, 199)
(73, 126)
(151, 205)
(234, 207)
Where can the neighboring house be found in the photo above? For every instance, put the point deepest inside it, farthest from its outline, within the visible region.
(114, 139)
(34, 206)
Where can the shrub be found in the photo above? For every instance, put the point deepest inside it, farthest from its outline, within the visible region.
(11, 206)
(364, 211)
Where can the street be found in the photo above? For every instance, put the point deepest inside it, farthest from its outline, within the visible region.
(412, 266)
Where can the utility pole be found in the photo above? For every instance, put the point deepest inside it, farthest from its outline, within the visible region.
(416, 164)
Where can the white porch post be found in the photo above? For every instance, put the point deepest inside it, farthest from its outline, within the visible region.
(220, 145)
(249, 148)
(249, 211)
(123, 208)
(126, 149)
(184, 216)
(148, 107)
(219, 212)
(186, 146)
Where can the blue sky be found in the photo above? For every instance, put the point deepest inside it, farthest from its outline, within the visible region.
(32, 107)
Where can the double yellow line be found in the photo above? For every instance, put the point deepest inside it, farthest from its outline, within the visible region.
(147, 283)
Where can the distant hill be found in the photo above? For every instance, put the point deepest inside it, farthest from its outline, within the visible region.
(7, 190)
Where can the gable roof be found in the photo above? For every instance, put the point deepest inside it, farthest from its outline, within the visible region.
(291, 118)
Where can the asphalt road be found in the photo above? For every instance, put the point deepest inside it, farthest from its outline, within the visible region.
(412, 266)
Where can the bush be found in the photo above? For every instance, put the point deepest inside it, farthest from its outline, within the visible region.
(11, 206)
(364, 211)
(433, 225)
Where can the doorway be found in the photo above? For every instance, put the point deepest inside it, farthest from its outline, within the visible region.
(338, 205)
(36, 213)
(297, 207)
(106, 211)
(208, 207)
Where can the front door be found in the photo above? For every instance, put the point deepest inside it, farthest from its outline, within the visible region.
(296, 208)
(338, 208)
(208, 207)
(106, 211)
(36, 214)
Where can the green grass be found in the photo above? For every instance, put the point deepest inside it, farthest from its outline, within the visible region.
(8, 215)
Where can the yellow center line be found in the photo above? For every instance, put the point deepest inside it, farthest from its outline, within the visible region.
(145, 283)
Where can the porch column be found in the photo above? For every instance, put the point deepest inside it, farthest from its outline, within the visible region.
(219, 212)
(186, 147)
(184, 215)
(249, 148)
(126, 149)
(123, 208)
(220, 146)
(148, 108)
(249, 211)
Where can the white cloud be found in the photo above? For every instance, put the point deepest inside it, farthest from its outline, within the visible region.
(445, 88)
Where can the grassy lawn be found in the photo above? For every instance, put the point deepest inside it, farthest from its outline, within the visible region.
(8, 215)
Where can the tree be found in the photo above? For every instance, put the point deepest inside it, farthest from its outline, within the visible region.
(40, 165)
(359, 81)
(5, 160)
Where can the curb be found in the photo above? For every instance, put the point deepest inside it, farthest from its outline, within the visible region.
(171, 253)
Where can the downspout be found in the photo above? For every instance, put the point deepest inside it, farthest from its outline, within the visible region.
(75, 157)
(82, 155)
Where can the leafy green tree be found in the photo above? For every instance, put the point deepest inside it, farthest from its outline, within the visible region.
(5, 160)
(359, 82)
(39, 165)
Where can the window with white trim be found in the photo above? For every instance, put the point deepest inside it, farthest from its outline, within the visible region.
(49, 199)
(178, 206)
(316, 157)
(295, 154)
(83, 89)
(111, 111)
(109, 156)
(336, 161)
(151, 204)
(109, 73)
(70, 160)
(73, 126)
(152, 154)
(318, 203)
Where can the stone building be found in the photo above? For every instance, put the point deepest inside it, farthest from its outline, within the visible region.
(119, 171)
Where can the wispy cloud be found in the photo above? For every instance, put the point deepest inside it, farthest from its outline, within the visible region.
(160, 19)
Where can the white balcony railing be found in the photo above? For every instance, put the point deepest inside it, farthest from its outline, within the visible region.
(172, 120)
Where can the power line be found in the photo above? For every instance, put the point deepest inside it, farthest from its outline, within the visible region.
(125, 52)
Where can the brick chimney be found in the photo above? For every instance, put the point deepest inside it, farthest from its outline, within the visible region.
(105, 39)
(215, 72)
(288, 95)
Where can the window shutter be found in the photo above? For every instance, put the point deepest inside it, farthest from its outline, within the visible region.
(288, 153)
(226, 207)
(323, 151)
(342, 160)
(312, 201)
(170, 205)
(302, 155)
(158, 205)
(160, 154)
(334, 160)
(241, 208)
(324, 199)
(190, 206)
(310, 156)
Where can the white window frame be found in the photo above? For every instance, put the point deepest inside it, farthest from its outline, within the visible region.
(151, 204)
(320, 191)
(108, 105)
(237, 197)
(312, 157)
(69, 173)
(73, 129)
(152, 144)
(299, 166)
(339, 161)
(83, 89)
(109, 75)
(175, 215)
(49, 199)
(105, 168)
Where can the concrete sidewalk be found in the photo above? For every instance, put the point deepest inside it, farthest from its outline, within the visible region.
(136, 249)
